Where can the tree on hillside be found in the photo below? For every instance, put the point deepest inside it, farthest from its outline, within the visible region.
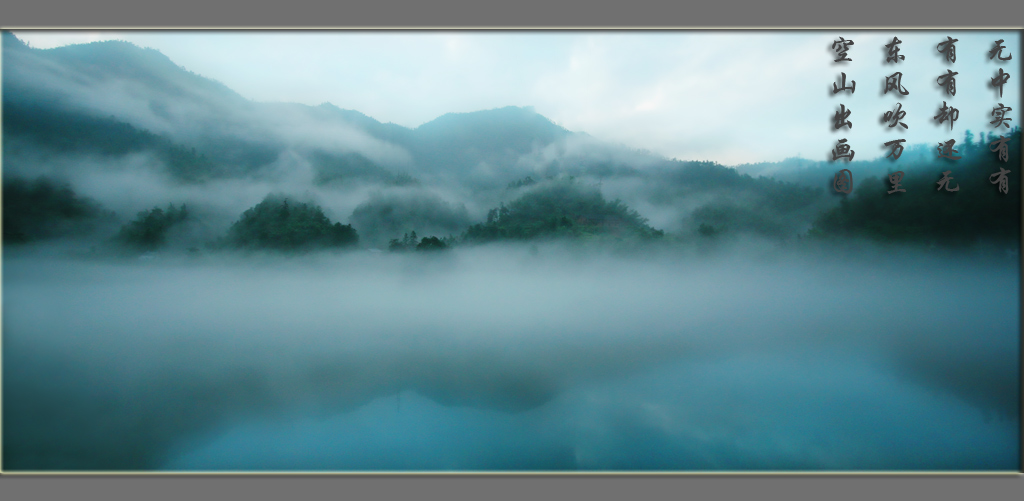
(977, 211)
(277, 224)
(43, 208)
(564, 208)
(148, 231)
(431, 244)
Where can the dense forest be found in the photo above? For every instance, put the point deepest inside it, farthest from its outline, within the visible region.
(276, 224)
(43, 209)
(567, 208)
(148, 232)
(969, 208)
(563, 208)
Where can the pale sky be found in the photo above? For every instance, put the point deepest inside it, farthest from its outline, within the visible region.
(727, 96)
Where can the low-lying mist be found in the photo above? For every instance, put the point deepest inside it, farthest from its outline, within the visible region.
(512, 357)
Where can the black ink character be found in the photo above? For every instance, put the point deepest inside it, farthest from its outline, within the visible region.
(853, 86)
(841, 117)
(997, 50)
(946, 150)
(895, 82)
(1000, 146)
(894, 50)
(895, 179)
(948, 48)
(895, 117)
(843, 182)
(947, 113)
(1001, 179)
(842, 150)
(841, 46)
(1000, 113)
(999, 80)
(897, 149)
(944, 182)
(948, 81)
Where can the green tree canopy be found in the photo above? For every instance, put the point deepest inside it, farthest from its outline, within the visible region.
(148, 231)
(44, 208)
(562, 208)
(431, 244)
(276, 223)
(925, 212)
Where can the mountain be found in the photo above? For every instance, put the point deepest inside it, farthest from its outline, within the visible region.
(113, 107)
(137, 99)
(463, 140)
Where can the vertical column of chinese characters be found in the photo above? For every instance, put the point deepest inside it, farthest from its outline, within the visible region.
(894, 118)
(947, 112)
(1000, 113)
(843, 181)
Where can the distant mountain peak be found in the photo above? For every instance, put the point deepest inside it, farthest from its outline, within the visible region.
(505, 113)
(108, 59)
(515, 120)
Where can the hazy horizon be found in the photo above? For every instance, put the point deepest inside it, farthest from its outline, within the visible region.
(681, 95)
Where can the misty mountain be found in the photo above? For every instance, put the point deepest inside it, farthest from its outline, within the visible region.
(139, 100)
(133, 99)
(130, 129)
(117, 80)
(495, 138)
(820, 173)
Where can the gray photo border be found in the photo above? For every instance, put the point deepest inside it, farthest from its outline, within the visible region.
(547, 14)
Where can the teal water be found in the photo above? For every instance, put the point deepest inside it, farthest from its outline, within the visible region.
(503, 361)
(816, 412)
